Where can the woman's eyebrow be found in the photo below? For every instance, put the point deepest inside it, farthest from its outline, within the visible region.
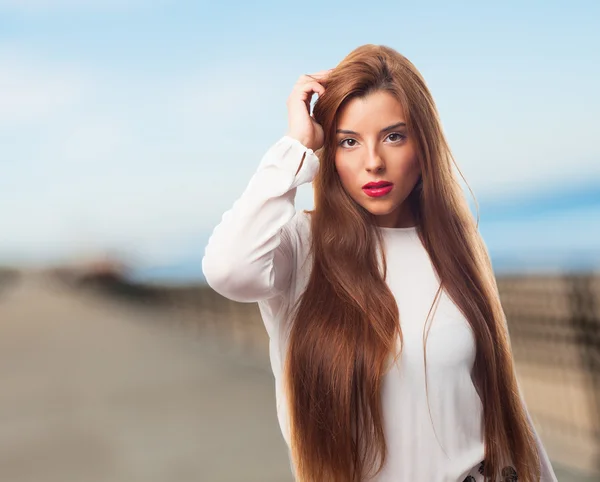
(385, 129)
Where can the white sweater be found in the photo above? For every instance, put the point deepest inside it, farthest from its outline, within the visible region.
(259, 253)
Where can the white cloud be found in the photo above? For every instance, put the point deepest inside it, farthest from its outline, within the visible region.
(231, 94)
(96, 141)
(146, 219)
(118, 166)
(32, 91)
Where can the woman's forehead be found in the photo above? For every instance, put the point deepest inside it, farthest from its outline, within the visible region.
(371, 113)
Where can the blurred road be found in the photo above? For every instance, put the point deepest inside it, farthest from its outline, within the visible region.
(94, 390)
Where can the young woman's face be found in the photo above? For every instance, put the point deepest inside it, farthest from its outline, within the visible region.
(367, 151)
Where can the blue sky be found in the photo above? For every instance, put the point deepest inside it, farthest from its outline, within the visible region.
(132, 125)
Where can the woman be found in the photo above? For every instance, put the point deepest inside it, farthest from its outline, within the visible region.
(388, 342)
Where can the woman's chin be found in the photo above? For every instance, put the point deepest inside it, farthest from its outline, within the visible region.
(381, 210)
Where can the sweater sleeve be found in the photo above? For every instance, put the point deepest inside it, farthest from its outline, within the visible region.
(246, 258)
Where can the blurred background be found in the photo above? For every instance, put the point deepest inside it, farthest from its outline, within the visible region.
(128, 127)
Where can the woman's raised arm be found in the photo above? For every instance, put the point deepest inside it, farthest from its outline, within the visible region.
(246, 258)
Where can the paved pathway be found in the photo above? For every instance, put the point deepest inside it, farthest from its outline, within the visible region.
(99, 392)
(102, 391)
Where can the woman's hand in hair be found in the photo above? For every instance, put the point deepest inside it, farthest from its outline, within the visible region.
(301, 125)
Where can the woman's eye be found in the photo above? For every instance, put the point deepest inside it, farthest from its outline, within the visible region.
(399, 136)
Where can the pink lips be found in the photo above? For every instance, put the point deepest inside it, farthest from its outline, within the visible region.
(376, 189)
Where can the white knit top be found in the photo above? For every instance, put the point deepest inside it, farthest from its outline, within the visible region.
(259, 253)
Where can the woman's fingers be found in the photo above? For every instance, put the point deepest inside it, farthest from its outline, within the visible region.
(302, 125)
(316, 76)
(305, 91)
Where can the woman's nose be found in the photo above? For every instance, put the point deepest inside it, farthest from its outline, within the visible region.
(375, 163)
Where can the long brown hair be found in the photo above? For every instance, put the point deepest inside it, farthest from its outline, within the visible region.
(345, 325)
